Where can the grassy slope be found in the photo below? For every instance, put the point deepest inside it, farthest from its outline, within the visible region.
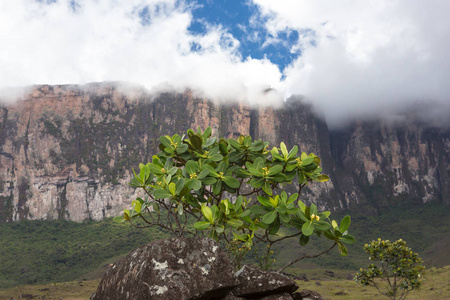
(425, 228)
(35, 252)
(436, 285)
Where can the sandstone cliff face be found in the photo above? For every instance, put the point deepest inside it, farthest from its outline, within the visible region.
(66, 152)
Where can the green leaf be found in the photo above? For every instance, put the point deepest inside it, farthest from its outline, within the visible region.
(216, 157)
(194, 184)
(231, 182)
(256, 146)
(219, 229)
(342, 249)
(213, 235)
(322, 226)
(215, 211)
(201, 225)
(307, 161)
(278, 178)
(253, 171)
(264, 201)
(301, 177)
(172, 170)
(304, 239)
(281, 208)
(119, 219)
(137, 206)
(273, 229)
(203, 174)
(207, 212)
(235, 223)
(165, 140)
(267, 188)
(292, 211)
(308, 228)
(292, 198)
(302, 206)
(325, 214)
(347, 239)
(217, 187)
(238, 203)
(313, 209)
(284, 150)
(155, 169)
(126, 214)
(234, 144)
(179, 185)
(345, 224)
(135, 182)
(270, 217)
(293, 151)
(191, 167)
(182, 148)
(244, 214)
(275, 170)
(334, 224)
(256, 182)
(322, 178)
(161, 194)
(303, 156)
(196, 142)
(284, 217)
(208, 180)
(180, 208)
(172, 189)
(207, 133)
(328, 235)
(258, 209)
(155, 206)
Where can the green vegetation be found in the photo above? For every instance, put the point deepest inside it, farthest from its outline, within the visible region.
(34, 252)
(235, 190)
(436, 285)
(40, 248)
(395, 270)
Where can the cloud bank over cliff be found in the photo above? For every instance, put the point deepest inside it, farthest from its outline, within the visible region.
(349, 58)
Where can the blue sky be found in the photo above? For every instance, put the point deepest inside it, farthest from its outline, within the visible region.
(350, 58)
(245, 22)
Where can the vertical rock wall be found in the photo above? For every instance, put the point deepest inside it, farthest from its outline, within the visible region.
(66, 152)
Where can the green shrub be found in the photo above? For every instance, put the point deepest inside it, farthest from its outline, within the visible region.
(234, 191)
(395, 271)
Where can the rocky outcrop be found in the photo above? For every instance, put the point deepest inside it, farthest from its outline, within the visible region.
(66, 152)
(256, 283)
(170, 269)
(189, 268)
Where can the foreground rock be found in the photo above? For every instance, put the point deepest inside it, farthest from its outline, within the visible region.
(254, 283)
(307, 295)
(190, 269)
(170, 269)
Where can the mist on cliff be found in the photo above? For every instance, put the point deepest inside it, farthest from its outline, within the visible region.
(352, 59)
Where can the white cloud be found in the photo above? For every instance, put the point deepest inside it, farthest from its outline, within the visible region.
(369, 58)
(358, 58)
(107, 41)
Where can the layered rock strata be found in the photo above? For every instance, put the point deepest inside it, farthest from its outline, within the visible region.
(66, 152)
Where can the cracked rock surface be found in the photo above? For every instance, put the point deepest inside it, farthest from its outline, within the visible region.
(175, 268)
(256, 283)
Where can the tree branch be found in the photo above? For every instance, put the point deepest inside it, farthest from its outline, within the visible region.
(306, 256)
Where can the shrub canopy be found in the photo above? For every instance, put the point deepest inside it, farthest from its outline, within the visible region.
(233, 189)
